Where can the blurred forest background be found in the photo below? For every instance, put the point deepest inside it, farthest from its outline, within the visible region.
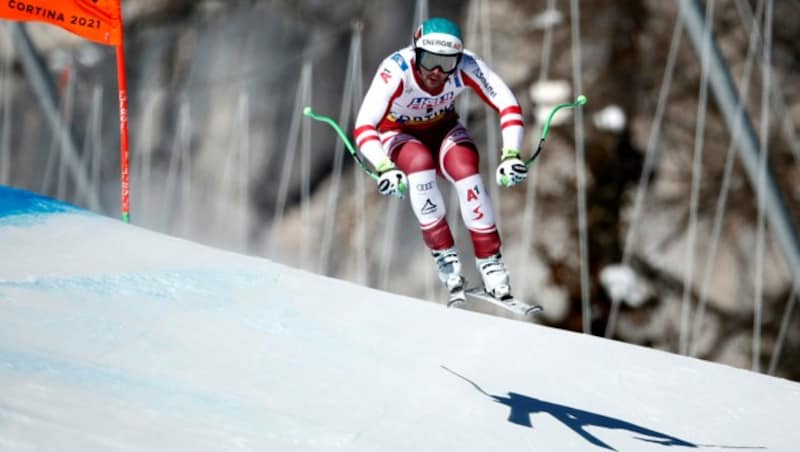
(639, 221)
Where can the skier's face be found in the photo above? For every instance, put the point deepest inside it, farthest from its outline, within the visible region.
(433, 80)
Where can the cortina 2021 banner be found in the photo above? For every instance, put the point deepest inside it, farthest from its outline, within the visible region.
(96, 20)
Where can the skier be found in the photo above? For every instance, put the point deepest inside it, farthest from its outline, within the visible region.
(408, 129)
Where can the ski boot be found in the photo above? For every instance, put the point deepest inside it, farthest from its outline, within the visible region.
(449, 266)
(495, 277)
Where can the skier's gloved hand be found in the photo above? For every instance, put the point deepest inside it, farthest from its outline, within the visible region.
(512, 170)
(392, 181)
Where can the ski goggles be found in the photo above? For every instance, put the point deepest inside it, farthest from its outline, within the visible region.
(430, 61)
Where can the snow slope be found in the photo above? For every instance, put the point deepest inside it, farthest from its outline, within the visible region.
(113, 337)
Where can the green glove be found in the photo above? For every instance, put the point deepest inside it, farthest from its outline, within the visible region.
(511, 170)
(392, 181)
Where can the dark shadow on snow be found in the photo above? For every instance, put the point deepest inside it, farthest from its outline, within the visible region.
(522, 407)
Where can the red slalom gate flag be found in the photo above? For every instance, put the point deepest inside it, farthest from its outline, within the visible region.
(96, 20)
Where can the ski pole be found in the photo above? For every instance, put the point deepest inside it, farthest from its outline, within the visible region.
(579, 101)
(308, 112)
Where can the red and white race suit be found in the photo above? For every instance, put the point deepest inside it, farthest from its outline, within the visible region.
(420, 132)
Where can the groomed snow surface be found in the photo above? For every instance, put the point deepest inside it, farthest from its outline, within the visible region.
(113, 337)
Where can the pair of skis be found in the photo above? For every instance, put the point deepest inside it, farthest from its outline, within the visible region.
(459, 298)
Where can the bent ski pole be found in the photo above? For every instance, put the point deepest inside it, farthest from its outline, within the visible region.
(579, 101)
(308, 112)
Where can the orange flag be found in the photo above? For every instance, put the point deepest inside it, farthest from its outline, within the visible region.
(96, 20)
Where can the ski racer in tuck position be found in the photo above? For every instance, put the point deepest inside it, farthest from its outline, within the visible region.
(408, 129)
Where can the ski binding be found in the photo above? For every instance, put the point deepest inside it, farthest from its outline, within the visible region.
(509, 303)
(456, 298)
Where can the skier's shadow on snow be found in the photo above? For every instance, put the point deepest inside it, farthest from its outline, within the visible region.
(522, 407)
